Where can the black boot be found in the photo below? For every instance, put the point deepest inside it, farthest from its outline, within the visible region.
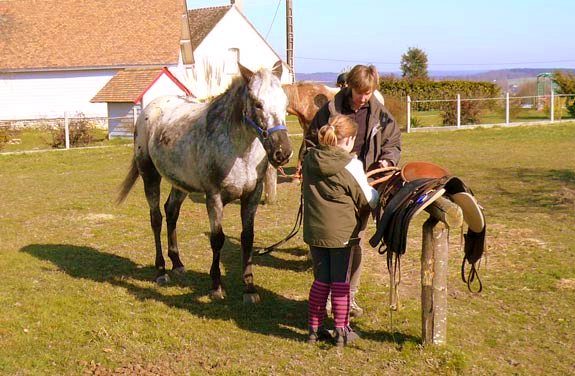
(321, 334)
(343, 336)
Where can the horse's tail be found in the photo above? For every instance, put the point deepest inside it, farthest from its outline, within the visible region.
(128, 182)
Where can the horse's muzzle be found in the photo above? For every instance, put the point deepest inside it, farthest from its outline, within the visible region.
(280, 157)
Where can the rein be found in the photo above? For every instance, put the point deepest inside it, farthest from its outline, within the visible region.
(263, 134)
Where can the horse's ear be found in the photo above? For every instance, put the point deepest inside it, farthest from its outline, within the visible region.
(246, 73)
(277, 69)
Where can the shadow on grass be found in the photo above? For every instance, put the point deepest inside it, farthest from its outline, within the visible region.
(399, 339)
(529, 188)
(272, 260)
(263, 318)
(275, 315)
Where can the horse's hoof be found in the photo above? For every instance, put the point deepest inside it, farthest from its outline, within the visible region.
(179, 270)
(163, 279)
(218, 294)
(251, 298)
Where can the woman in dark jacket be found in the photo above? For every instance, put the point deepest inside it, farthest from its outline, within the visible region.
(335, 192)
(378, 141)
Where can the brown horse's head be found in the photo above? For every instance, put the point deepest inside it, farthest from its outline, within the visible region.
(265, 110)
(306, 98)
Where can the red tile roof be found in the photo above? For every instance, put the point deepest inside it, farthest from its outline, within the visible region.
(127, 85)
(63, 34)
(202, 21)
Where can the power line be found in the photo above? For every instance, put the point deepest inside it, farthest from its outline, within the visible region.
(435, 64)
(274, 19)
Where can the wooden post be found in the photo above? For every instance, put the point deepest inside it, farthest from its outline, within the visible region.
(434, 257)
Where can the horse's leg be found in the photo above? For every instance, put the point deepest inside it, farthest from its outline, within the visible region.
(249, 205)
(152, 181)
(215, 212)
(270, 185)
(172, 209)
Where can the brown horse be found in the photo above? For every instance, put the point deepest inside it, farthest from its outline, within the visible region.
(305, 98)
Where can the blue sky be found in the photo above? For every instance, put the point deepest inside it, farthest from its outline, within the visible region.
(456, 35)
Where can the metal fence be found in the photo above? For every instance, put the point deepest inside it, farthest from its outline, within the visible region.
(460, 112)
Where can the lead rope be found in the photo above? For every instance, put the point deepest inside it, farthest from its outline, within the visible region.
(292, 233)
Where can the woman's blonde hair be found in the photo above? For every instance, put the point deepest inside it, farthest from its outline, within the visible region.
(363, 78)
(338, 128)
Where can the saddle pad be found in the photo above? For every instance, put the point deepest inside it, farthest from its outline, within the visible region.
(419, 170)
(472, 213)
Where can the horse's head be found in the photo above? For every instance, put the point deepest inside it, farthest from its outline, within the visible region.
(265, 111)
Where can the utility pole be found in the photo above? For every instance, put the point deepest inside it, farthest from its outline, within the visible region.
(289, 35)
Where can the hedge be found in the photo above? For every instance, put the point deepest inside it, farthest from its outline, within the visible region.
(434, 90)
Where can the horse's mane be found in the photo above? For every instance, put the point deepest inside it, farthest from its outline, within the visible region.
(233, 98)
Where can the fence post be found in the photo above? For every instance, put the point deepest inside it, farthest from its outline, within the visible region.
(408, 114)
(458, 111)
(506, 108)
(67, 130)
(552, 110)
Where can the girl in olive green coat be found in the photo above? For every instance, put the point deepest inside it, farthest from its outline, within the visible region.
(336, 193)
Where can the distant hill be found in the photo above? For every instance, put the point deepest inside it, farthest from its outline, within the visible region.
(329, 78)
(508, 74)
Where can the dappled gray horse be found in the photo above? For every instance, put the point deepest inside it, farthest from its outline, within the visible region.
(222, 149)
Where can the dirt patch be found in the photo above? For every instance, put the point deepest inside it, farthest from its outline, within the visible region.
(566, 283)
(94, 217)
(567, 196)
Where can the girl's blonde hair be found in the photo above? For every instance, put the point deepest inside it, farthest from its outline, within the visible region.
(338, 128)
(363, 78)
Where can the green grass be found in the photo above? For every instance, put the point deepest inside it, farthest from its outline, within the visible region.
(35, 139)
(77, 292)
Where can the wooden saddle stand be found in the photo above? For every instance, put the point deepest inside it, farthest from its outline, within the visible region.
(404, 193)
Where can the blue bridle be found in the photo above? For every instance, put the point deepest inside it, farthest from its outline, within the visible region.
(264, 133)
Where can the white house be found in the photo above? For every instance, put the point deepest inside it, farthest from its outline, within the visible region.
(58, 54)
(130, 90)
(219, 38)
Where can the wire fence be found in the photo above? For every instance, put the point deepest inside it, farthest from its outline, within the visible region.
(62, 132)
(456, 113)
(412, 114)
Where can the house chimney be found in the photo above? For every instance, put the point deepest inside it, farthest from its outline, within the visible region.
(239, 4)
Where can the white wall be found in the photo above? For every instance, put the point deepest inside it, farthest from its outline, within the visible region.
(233, 31)
(163, 86)
(121, 122)
(49, 94)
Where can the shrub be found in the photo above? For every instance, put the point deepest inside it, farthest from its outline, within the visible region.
(470, 111)
(4, 137)
(398, 109)
(80, 133)
(416, 122)
(566, 85)
(433, 90)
